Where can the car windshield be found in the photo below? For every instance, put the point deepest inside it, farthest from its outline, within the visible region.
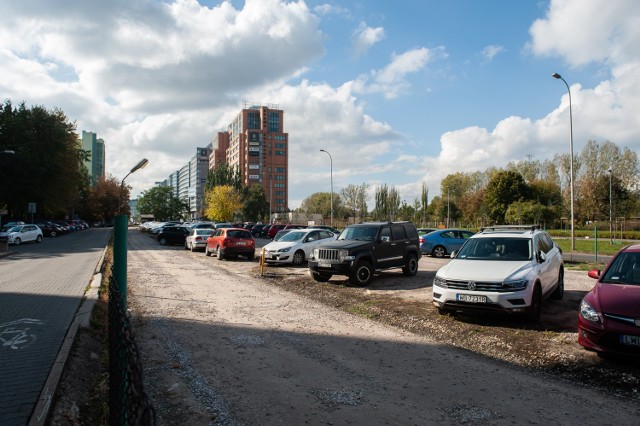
(625, 269)
(292, 236)
(496, 248)
(12, 229)
(362, 233)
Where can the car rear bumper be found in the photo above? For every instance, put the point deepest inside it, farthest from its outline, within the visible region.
(510, 302)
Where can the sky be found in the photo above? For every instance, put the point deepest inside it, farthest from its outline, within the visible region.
(398, 92)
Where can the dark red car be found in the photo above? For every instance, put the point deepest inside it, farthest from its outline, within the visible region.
(231, 242)
(609, 316)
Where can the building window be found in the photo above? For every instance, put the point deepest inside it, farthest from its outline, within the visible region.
(281, 170)
(280, 177)
(280, 193)
(281, 145)
(274, 122)
(281, 152)
(253, 120)
(280, 185)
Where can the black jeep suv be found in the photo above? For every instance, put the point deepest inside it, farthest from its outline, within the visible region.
(367, 247)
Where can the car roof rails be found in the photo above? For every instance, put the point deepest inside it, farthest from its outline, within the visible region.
(506, 228)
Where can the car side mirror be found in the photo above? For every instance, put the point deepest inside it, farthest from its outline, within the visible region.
(385, 239)
(542, 256)
(453, 254)
(594, 273)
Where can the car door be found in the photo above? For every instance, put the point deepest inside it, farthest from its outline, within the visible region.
(550, 267)
(29, 233)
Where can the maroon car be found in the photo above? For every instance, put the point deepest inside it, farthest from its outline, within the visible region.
(609, 316)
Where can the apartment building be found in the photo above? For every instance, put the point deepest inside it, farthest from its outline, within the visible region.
(256, 143)
(188, 182)
(96, 163)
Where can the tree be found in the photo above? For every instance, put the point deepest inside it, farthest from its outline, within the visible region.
(47, 167)
(224, 174)
(320, 203)
(387, 203)
(255, 205)
(162, 203)
(504, 188)
(354, 199)
(105, 200)
(223, 202)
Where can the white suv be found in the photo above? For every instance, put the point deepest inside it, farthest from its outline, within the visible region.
(502, 268)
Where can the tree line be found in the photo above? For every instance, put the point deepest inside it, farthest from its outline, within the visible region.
(42, 162)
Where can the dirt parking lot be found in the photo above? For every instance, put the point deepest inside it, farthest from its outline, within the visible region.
(226, 342)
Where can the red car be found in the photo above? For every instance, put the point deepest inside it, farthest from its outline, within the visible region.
(609, 316)
(231, 242)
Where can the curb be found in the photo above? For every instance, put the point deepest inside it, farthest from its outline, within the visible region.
(43, 406)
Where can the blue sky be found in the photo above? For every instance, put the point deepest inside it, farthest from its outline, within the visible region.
(400, 92)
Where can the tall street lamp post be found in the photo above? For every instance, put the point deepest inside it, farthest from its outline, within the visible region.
(331, 169)
(120, 229)
(610, 207)
(573, 235)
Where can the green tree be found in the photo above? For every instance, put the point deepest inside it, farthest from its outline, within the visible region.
(162, 203)
(224, 174)
(105, 200)
(223, 203)
(320, 203)
(47, 167)
(255, 205)
(354, 199)
(504, 188)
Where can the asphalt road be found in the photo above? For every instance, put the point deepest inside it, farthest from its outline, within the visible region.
(41, 287)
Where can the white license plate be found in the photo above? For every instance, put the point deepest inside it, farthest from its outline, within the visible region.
(630, 340)
(471, 298)
(241, 243)
(324, 264)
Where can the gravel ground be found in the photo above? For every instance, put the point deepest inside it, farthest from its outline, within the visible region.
(222, 344)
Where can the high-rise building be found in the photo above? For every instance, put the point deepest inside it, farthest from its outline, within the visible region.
(255, 143)
(96, 163)
(188, 182)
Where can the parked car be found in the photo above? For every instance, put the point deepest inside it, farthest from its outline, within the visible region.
(274, 229)
(442, 242)
(501, 269)
(19, 234)
(172, 234)
(48, 229)
(227, 242)
(296, 245)
(327, 228)
(256, 230)
(367, 247)
(609, 315)
(219, 225)
(264, 232)
(196, 239)
(203, 225)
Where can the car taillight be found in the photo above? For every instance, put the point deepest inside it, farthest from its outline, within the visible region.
(225, 242)
(421, 240)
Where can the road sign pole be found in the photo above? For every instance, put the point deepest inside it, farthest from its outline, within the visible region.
(120, 229)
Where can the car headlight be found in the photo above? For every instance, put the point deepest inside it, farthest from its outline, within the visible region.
(588, 313)
(284, 250)
(440, 282)
(515, 285)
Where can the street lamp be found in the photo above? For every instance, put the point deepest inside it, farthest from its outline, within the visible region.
(331, 168)
(573, 235)
(610, 207)
(141, 164)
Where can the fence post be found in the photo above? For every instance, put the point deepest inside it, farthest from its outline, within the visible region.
(120, 229)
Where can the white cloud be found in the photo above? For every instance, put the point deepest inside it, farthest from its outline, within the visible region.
(391, 80)
(365, 37)
(489, 52)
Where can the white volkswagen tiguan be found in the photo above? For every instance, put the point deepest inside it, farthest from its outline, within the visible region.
(502, 268)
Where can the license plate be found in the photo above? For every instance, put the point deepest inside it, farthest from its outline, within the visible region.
(241, 243)
(471, 298)
(324, 264)
(630, 340)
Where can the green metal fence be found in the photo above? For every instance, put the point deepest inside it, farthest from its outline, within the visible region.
(128, 402)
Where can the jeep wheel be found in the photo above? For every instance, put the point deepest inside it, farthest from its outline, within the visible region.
(298, 258)
(558, 293)
(362, 275)
(411, 267)
(321, 278)
(439, 251)
(536, 305)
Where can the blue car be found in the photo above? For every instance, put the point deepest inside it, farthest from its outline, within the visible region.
(442, 242)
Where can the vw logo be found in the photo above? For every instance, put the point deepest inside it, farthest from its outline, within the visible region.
(471, 285)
